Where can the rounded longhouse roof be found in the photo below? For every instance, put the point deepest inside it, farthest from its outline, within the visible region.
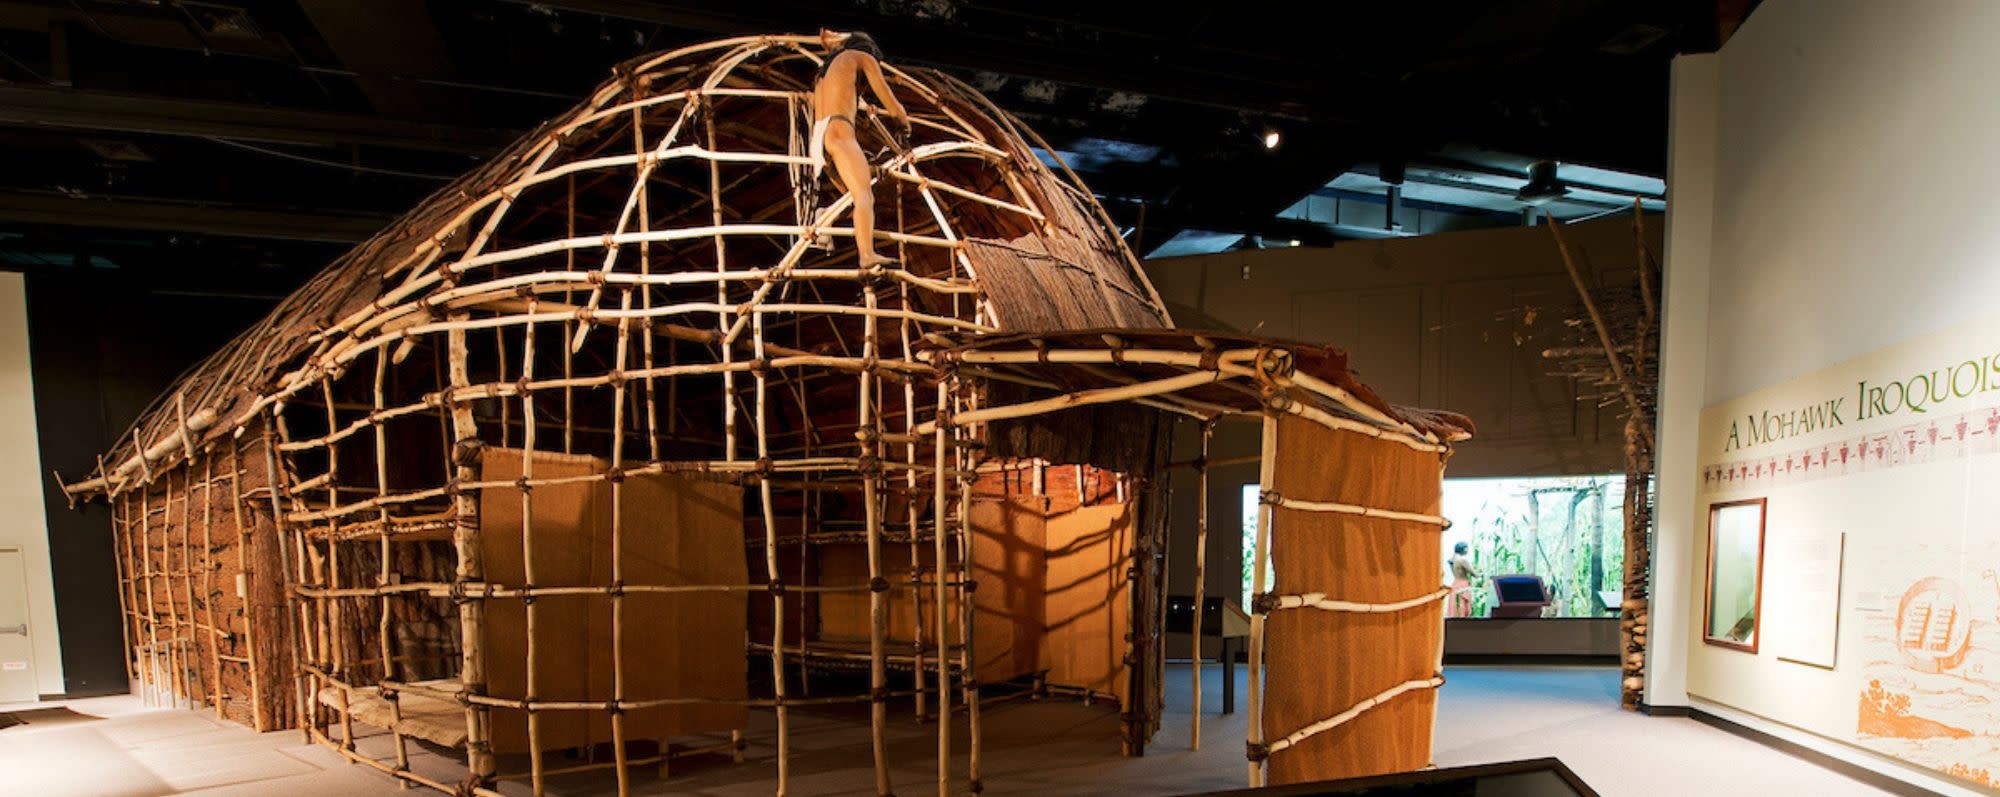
(680, 194)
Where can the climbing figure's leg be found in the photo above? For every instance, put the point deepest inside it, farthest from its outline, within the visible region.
(850, 165)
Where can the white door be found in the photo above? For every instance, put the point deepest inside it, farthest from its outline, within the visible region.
(17, 657)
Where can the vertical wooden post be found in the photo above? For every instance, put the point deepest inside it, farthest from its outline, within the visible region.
(532, 608)
(121, 538)
(500, 376)
(968, 674)
(161, 675)
(1200, 576)
(184, 672)
(291, 559)
(570, 330)
(140, 565)
(809, 499)
(145, 554)
(191, 657)
(120, 535)
(312, 628)
(1161, 493)
(722, 320)
(621, 350)
(164, 573)
(940, 505)
(471, 569)
(1438, 661)
(236, 498)
(187, 667)
(870, 434)
(771, 554)
(385, 574)
(642, 195)
(1267, 470)
(214, 634)
(910, 523)
(342, 660)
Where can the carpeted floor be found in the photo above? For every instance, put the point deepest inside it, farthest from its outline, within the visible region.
(44, 717)
(119, 747)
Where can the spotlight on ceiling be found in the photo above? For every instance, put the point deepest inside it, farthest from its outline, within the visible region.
(1543, 184)
(1271, 138)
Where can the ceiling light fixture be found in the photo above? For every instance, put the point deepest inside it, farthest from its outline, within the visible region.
(1543, 184)
(1271, 138)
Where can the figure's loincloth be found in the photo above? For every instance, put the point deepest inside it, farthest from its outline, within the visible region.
(817, 148)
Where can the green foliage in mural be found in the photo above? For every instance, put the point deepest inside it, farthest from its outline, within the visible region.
(1568, 530)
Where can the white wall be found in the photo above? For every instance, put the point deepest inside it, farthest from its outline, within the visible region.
(22, 522)
(1683, 358)
(1831, 179)
(1855, 183)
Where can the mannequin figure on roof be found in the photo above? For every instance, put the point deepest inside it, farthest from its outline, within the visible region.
(851, 58)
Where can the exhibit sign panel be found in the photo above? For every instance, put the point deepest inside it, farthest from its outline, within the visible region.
(1876, 483)
(1811, 616)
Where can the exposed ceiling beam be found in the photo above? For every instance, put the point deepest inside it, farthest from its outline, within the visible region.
(1276, 92)
(353, 30)
(24, 106)
(146, 24)
(1504, 192)
(141, 213)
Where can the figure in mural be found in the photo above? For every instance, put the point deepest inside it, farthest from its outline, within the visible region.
(1462, 576)
(854, 57)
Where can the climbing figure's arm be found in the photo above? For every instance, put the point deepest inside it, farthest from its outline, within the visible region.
(872, 69)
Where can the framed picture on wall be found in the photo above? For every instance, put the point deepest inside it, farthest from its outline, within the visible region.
(1735, 593)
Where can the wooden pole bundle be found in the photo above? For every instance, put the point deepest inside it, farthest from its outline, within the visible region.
(160, 451)
(1617, 331)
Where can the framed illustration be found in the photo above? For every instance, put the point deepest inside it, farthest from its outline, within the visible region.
(1735, 594)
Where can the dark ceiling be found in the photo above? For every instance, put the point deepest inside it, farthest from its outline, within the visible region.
(271, 132)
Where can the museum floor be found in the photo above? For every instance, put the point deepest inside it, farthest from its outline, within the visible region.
(117, 748)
